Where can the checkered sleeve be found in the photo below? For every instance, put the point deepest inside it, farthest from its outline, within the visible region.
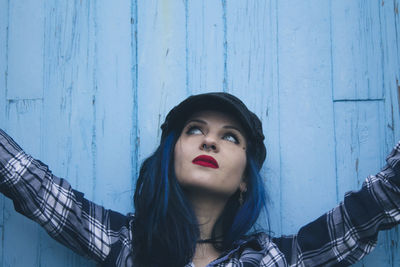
(61, 211)
(348, 232)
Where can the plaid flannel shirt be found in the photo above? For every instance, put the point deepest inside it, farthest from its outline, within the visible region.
(338, 238)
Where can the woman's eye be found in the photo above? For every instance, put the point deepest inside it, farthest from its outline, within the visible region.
(231, 138)
(194, 130)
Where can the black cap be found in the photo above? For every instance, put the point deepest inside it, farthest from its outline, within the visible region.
(221, 102)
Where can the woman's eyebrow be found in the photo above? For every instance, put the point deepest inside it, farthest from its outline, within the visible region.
(234, 128)
(196, 120)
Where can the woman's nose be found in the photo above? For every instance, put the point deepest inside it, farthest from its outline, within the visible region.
(209, 144)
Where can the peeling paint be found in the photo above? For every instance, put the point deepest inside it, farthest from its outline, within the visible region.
(23, 106)
(357, 165)
(158, 125)
(391, 113)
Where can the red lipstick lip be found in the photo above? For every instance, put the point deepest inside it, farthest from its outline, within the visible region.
(206, 161)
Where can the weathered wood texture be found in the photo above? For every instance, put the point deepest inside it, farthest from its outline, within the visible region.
(85, 85)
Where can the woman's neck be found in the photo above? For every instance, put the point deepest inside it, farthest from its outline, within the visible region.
(207, 208)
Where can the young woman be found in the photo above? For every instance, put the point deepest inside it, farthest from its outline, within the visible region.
(196, 199)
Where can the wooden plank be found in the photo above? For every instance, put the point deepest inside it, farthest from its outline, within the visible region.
(389, 26)
(252, 76)
(68, 93)
(205, 45)
(359, 142)
(391, 70)
(114, 102)
(360, 151)
(356, 50)
(382, 68)
(306, 113)
(161, 67)
(22, 116)
(25, 59)
(68, 108)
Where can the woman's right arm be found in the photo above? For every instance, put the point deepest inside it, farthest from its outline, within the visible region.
(50, 201)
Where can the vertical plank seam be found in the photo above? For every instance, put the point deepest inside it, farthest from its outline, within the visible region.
(395, 7)
(134, 73)
(94, 92)
(396, 14)
(7, 44)
(383, 94)
(188, 91)
(279, 119)
(40, 238)
(225, 45)
(358, 150)
(333, 102)
(386, 120)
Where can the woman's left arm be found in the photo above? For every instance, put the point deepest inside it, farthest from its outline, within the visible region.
(348, 232)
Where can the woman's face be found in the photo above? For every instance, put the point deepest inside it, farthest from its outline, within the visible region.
(210, 154)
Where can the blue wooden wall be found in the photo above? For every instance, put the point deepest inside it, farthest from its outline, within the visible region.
(85, 85)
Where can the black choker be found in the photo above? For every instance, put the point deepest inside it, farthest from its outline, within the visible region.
(208, 241)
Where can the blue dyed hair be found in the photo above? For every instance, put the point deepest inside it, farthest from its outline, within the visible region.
(166, 229)
(237, 220)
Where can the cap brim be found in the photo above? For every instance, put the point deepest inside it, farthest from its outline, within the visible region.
(187, 108)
